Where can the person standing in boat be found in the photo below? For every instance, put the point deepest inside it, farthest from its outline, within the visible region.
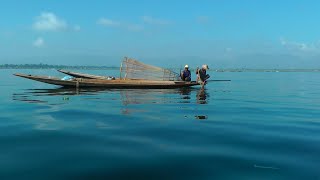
(202, 74)
(186, 74)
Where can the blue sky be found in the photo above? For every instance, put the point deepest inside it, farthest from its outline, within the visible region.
(223, 34)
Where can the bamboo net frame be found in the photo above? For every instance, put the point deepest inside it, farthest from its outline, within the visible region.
(133, 69)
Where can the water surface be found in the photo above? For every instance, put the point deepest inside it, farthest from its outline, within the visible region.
(258, 126)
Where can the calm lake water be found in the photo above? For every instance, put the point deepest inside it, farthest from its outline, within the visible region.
(258, 126)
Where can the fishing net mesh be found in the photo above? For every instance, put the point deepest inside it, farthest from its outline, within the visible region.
(133, 69)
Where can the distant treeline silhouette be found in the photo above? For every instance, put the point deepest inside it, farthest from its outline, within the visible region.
(47, 66)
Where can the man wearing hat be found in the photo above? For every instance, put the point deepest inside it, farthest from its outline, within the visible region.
(186, 74)
(202, 74)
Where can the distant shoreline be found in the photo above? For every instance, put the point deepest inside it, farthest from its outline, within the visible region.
(46, 66)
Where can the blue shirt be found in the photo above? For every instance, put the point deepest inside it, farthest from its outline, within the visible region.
(186, 73)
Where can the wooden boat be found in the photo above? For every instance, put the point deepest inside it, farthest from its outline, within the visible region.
(82, 75)
(117, 83)
(133, 74)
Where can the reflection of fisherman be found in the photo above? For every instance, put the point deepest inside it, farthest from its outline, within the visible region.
(202, 96)
(202, 74)
(185, 91)
(186, 74)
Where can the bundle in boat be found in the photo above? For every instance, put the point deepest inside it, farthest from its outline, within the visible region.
(83, 75)
(133, 69)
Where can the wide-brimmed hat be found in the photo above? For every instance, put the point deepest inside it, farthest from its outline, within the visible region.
(205, 66)
(186, 66)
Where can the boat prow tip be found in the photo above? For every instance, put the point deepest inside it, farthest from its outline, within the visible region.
(17, 74)
(22, 75)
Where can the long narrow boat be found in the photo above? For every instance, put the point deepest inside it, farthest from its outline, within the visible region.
(82, 75)
(117, 83)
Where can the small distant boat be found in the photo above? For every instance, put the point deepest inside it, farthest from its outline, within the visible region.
(117, 83)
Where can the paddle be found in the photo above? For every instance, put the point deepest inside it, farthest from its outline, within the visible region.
(214, 80)
(218, 80)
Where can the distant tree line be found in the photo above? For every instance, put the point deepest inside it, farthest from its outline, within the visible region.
(47, 66)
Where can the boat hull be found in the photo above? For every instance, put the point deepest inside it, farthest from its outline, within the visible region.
(84, 82)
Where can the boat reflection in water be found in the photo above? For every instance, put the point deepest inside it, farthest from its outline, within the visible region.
(125, 96)
(54, 109)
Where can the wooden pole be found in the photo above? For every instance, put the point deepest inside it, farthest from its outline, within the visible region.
(121, 70)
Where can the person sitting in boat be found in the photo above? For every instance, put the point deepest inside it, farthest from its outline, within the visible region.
(202, 73)
(186, 74)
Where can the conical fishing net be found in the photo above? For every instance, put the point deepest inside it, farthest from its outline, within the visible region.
(133, 69)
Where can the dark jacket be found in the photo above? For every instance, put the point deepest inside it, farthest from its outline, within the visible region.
(202, 74)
